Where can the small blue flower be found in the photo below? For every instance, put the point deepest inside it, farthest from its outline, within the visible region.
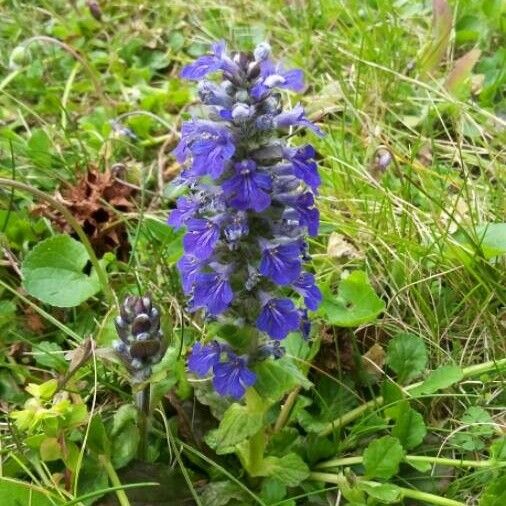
(186, 209)
(236, 228)
(262, 51)
(278, 318)
(296, 117)
(206, 64)
(204, 357)
(303, 210)
(213, 94)
(233, 376)
(305, 285)
(275, 76)
(281, 263)
(249, 187)
(209, 145)
(201, 238)
(304, 166)
(212, 291)
(188, 266)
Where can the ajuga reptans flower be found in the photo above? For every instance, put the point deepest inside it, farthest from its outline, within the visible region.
(247, 210)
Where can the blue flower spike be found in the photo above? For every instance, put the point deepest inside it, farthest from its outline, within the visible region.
(248, 207)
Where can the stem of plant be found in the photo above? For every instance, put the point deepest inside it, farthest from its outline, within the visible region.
(101, 274)
(286, 409)
(143, 405)
(115, 481)
(256, 453)
(349, 461)
(352, 415)
(405, 492)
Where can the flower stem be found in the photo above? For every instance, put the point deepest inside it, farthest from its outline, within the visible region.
(352, 415)
(115, 481)
(286, 409)
(143, 405)
(405, 492)
(256, 453)
(101, 274)
(348, 461)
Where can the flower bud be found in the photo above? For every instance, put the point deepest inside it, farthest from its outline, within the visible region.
(140, 343)
(262, 51)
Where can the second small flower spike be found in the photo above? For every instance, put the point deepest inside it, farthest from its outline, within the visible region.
(140, 344)
(248, 208)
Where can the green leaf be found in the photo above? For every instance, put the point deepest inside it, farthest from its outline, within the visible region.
(53, 272)
(495, 493)
(49, 354)
(238, 423)
(382, 457)
(126, 414)
(220, 493)
(290, 469)
(480, 425)
(423, 467)
(273, 491)
(384, 492)
(490, 238)
(277, 377)
(355, 304)
(407, 356)
(14, 492)
(50, 449)
(124, 445)
(438, 379)
(98, 442)
(392, 398)
(498, 449)
(409, 428)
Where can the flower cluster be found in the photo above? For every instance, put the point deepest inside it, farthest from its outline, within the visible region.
(249, 206)
(141, 343)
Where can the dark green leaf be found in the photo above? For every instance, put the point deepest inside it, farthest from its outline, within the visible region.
(438, 379)
(277, 377)
(479, 424)
(290, 469)
(124, 445)
(409, 428)
(49, 354)
(407, 356)
(382, 457)
(220, 493)
(273, 491)
(98, 442)
(238, 423)
(125, 415)
(393, 397)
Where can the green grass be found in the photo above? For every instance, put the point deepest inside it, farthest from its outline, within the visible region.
(66, 77)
